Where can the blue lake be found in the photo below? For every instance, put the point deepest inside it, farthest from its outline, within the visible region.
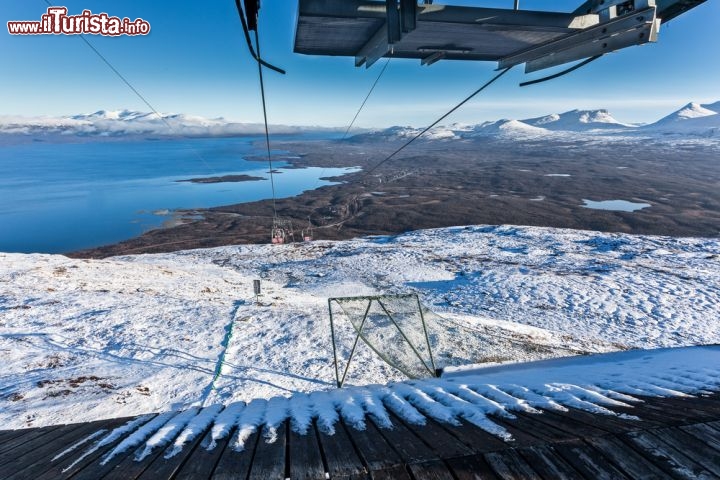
(58, 198)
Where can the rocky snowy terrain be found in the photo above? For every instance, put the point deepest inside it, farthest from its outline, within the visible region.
(91, 339)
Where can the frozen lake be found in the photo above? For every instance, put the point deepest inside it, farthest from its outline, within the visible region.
(615, 205)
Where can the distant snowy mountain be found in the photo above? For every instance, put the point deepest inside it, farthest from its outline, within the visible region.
(689, 111)
(118, 123)
(406, 132)
(507, 128)
(578, 120)
(499, 128)
(124, 115)
(707, 126)
(693, 120)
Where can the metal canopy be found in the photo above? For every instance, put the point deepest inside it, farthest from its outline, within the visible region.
(371, 29)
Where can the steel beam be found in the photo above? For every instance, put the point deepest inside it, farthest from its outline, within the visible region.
(638, 20)
(432, 58)
(394, 31)
(376, 48)
(648, 33)
(408, 15)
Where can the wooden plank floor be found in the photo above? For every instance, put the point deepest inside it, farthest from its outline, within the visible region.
(675, 438)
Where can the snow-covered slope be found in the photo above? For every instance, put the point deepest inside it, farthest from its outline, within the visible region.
(578, 120)
(507, 128)
(714, 107)
(83, 340)
(502, 128)
(689, 111)
(405, 133)
(693, 119)
(707, 126)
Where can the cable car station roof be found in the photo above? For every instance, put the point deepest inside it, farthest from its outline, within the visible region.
(371, 29)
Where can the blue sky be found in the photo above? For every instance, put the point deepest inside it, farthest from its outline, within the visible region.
(195, 62)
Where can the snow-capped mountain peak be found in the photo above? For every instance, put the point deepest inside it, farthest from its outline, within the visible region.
(689, 111)
(406, 132)
(692, 119)
(508, 128)
(577, 120)
(121, 115)
(553, 117)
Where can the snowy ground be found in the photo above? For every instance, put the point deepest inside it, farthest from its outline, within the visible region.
(84, 340)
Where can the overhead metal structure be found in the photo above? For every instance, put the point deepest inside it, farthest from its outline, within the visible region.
(372, 29)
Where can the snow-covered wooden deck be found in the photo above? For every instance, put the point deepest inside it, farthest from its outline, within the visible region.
(674, 438)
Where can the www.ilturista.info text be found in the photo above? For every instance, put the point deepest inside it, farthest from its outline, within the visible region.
(57, 22)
